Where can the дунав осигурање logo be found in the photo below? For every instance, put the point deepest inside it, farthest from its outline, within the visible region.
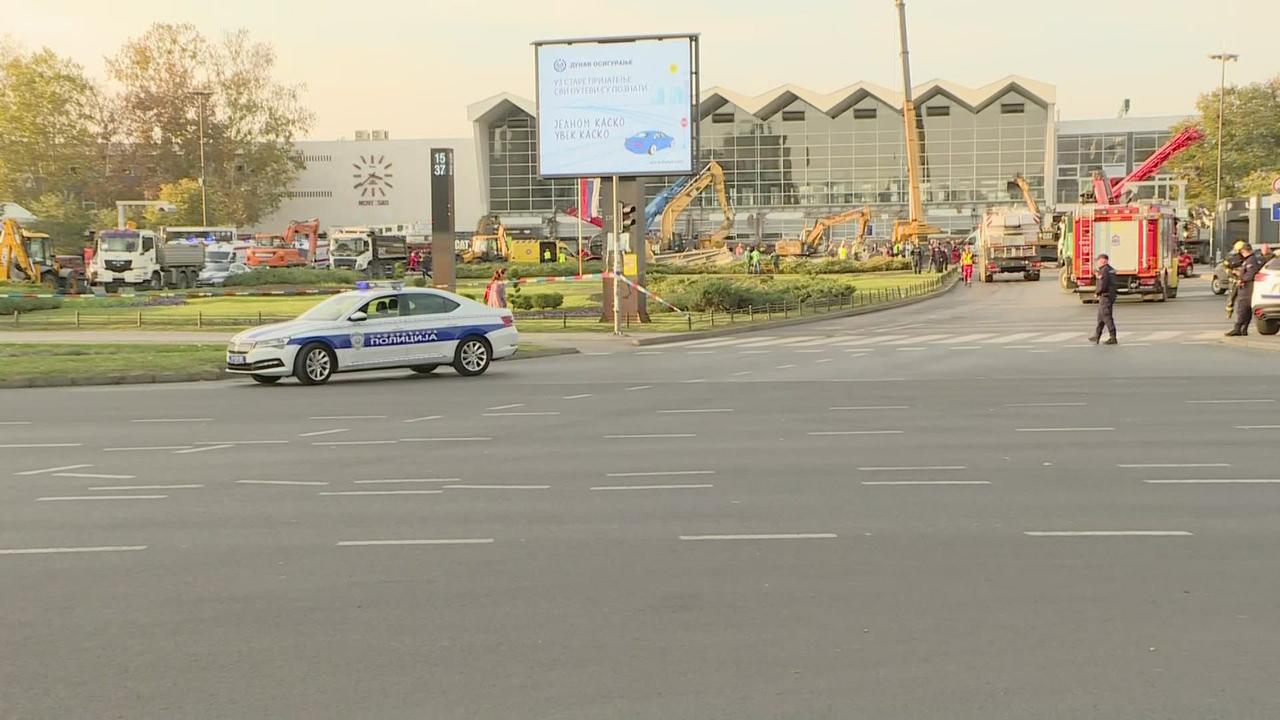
(559, 65)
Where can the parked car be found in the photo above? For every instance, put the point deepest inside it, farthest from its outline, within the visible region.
(1266, 298)
(1221, 281)
(1186, 264)
(649, 142)
(216, 274)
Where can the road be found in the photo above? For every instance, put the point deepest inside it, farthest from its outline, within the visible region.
(958, 509)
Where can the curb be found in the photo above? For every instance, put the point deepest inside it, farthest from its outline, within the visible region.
(546, 352)
(130, 379)
(1269, 345)
(947, 285)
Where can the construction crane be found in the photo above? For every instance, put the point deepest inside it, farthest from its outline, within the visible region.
(1109, 192)
(809, 243)
(711, 174)
(914, 227)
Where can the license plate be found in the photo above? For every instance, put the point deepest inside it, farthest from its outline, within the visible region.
(236, 359)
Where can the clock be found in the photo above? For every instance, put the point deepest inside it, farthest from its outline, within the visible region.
(373, 176)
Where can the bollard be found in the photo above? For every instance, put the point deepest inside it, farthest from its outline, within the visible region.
(139, 318)
(689, 319)
(15, 317)
(768, 310)
(199, 319)
(77, 318)
(713, 317)
(751, 313)
(786, 309)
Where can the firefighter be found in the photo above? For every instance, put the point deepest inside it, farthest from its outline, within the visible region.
(1106, 294)
(1249, 268)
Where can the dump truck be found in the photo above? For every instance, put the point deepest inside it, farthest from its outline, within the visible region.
(361, 250)
(1007, 241)
(138, 257)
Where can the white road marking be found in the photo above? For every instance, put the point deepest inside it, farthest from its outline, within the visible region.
(172, 420)
(1019, 347)
(640, 387)
(598, 354)
(657, 473)
(823, 360)
(94, 476)
(55, 551)
(424, 418)
(1040, 351)
(101, 497)
(407, 480)
(190, 450)
(1248, 401)
(858, 432)
(966, 347)
(146, 487)
(740, 373)
(1163, 335)
(347, 417)
(654, 436)
(1137, 344)
(1175, 465)
(15, 422)
(916, 339)
(695, 410)
(892, 468)
(775, 536)
(871, 407)
(576, 397)
(785, 367)
(20, 446)
(1066, 429)
(696, 380)
(1214, 481)
(52, 469)
(519, 414)
(874, 340)
(911, 349)
(701, 352)
(335, 443)
(1012, 338)
(779, 341)
(1258, 427)
(497, 487)
(242, 442)
(965, 338)
(868, 380)
(447, 439)
(458, 541)
(649, 352)
(324, 432)
(381, 492)
(1046, 404)
(753, 352)
(821, 341)
(507, 407)
(146, 448)
(927, 482)
(1198, 342)
(1058, 337)
(1109, 533)
(817, 350)
(651, 487)
(281, 482)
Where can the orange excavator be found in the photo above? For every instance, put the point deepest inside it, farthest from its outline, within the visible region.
(297, 247)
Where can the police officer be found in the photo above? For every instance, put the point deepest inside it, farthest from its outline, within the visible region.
(1244, 290)
(1232, 264)
(1106, 294)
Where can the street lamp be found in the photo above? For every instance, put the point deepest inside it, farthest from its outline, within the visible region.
(1223, 58)
(201, 96)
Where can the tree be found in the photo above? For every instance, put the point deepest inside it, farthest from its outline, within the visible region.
(185, 196)
(1250, 142)
(48, 142)
(65, 217)
(250, 120)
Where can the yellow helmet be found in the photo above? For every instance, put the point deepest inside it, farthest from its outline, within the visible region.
(1238, 246)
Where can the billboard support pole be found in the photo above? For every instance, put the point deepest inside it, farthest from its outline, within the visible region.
(617, 259)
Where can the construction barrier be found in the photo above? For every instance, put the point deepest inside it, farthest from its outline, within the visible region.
(651, 294)
(197, 294)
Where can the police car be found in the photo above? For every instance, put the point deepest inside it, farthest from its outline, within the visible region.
(375, 329)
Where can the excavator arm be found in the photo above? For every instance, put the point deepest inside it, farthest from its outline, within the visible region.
(823, 224)
(712, 174)
(1021, 184)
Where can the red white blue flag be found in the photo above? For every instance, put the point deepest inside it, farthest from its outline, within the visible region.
(589, 199)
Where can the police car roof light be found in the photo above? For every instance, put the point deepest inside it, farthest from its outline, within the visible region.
(362, 285)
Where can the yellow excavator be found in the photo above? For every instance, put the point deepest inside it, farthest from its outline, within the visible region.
(811, 241)
(489, 242)
(914, 228)
(711, 174)
(28, 257)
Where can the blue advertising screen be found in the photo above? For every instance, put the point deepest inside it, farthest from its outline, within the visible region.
(618, 108)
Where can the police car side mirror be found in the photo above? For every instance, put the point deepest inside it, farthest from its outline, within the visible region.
(358, 317)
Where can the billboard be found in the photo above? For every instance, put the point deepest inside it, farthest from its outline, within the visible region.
(618, 106)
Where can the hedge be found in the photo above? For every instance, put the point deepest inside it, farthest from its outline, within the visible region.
(700, 294)
(541, 301)
(8, 306)
(790, 266)
(293, 276)
(514, 270)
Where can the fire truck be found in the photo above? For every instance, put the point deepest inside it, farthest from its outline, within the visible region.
(1141, 239)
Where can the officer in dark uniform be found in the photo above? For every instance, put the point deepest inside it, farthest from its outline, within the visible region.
(1106, 294)
(1244, 293)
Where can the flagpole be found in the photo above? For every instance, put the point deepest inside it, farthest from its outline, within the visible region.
(580, 251)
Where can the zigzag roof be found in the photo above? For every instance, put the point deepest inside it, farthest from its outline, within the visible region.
(768, 103)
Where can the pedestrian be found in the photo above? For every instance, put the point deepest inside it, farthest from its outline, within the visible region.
(843, 252)
(1105, 291)
(1245, 276)
(966, 266)
(413, 262)
(775, 260)
(755, 260)
(955, 254)
(495, 293)
(546, 255)
(737, 251)
(424, 264)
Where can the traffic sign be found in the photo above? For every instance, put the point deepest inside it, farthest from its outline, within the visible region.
(1275, 212)
(1275, 185)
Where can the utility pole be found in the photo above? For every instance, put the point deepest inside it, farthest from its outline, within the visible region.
(201, 96)
(1223, 58)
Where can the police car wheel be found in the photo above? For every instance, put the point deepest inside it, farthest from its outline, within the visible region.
(424, 369)
(266, 379)
(472, 356)
(314, 365)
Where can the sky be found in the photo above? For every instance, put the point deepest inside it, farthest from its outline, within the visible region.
(412, 67)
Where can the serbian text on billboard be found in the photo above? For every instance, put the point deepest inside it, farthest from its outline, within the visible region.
(615, 109)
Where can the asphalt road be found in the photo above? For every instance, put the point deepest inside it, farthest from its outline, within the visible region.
(953, 510)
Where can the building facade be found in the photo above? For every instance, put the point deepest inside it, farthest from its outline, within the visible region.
(376, 183)
(1115, 146)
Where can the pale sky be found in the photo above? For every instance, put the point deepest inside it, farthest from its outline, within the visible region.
(412, 66)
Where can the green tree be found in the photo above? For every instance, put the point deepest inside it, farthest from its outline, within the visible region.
(65, 217)
(185, 196)
(1250, 142)
(250, 120)
(48, 139)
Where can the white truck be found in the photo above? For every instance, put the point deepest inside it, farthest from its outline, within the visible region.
(138, 257)
(1008, 242)
(362, 250)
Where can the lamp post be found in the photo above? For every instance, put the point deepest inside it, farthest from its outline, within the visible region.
(201, 96)
(1223, 58)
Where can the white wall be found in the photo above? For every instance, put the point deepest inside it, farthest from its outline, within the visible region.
(335, 185)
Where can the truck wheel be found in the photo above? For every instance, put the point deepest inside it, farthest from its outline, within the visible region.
(314, 364)
(182, 283)
(266, 379)
(1034, 277)
(1266, 327)
(472, 356)
(157, 281)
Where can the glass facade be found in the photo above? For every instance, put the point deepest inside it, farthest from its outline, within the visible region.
(1080, 155)
(794, 159)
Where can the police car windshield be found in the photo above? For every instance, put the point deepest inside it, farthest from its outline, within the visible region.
(335, 308)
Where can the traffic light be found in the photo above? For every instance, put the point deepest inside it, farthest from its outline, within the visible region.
(626, 216)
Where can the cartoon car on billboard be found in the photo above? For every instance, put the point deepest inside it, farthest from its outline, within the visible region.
(649, 142)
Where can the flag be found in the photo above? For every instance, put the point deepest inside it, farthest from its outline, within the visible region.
(589, 199)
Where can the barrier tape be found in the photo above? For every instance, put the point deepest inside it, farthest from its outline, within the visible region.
(203, 294)
(651, 294)
(594, 276)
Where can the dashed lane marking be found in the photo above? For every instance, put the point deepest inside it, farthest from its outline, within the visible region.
(340, 493)
(318, 433)
(61, 550)
(450, 541)
(1108, 533)
(101, 497)
(658, 473)
(926, 482)
(146, 448)
(347, 417)
(146, 487)
(652, 487)
(60, 468)
(202, 448)
(770, 536)
(282, 482)
(94, 476)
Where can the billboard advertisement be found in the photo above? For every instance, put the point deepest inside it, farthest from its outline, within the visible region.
(622, 107)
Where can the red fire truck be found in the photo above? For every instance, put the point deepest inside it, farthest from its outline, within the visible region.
(1141, 239)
